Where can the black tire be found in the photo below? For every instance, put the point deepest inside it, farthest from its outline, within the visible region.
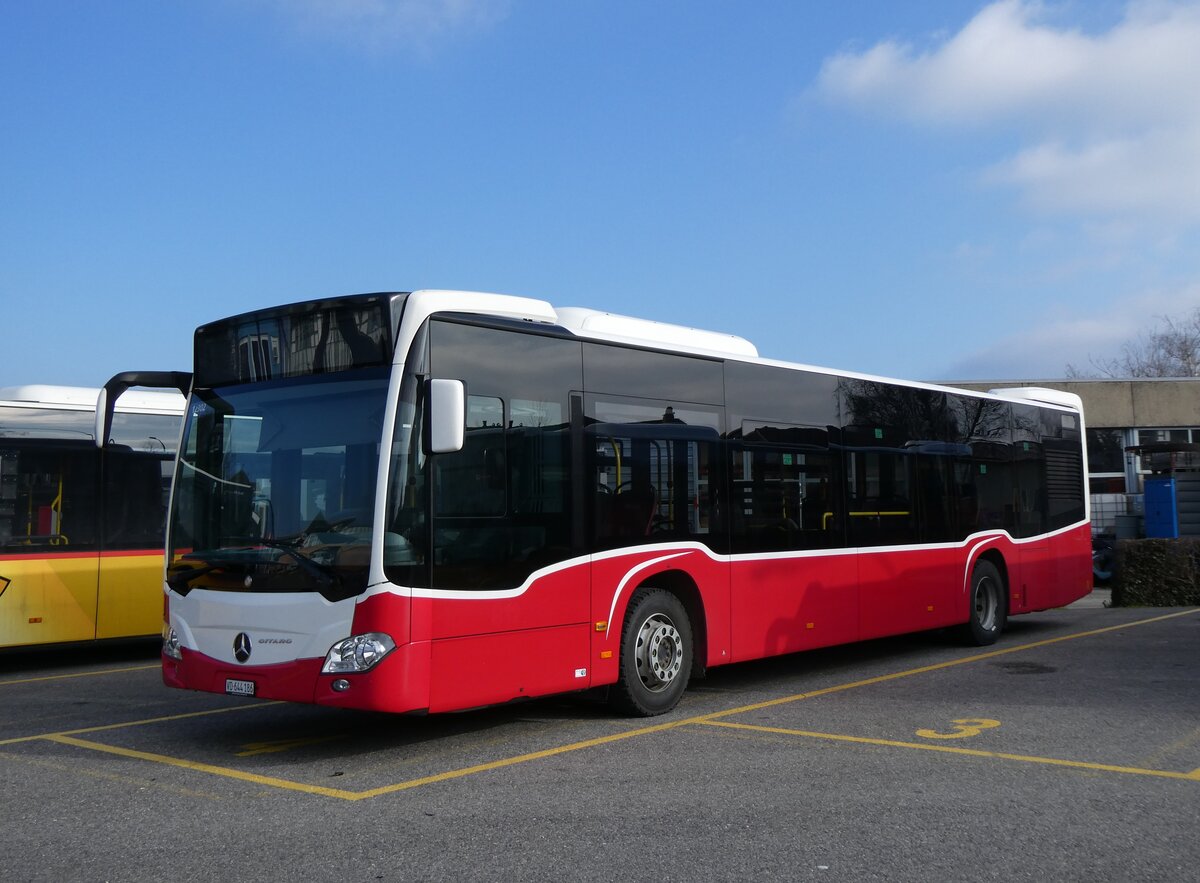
(656, 655)
(988, 605)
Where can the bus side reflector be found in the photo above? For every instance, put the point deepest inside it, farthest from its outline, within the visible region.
(35, 619)
(930, 608)
(812, 625)
(606, 654)
(601, 626)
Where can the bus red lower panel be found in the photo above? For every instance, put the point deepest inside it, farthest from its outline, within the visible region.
(555, 597)
(1073, 576)
(784, 605)
(911, 590)
(398, 684)
(1050, 571)
(489, 669)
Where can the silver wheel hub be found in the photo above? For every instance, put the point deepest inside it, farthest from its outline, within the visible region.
(987, 604)
(658, 652)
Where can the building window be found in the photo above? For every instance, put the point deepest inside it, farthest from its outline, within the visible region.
(1106, 452)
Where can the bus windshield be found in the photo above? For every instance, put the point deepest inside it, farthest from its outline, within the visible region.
(275, 485)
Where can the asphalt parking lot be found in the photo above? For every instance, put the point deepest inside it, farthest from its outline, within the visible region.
(1069, 751)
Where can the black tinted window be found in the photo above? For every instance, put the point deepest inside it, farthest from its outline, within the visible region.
(501, 505)
(136, 488)
(653, 471)
(763, 392)
(293, 341)
(621, 371)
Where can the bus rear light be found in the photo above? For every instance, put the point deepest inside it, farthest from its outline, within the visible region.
(357, 653)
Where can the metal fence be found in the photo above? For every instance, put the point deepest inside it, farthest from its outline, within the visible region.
(1118, 514)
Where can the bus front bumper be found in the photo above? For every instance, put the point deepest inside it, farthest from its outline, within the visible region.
(398, 683)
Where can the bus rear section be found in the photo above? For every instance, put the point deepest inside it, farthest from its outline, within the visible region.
(443, 500)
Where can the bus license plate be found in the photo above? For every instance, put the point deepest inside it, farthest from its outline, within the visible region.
(239, 688)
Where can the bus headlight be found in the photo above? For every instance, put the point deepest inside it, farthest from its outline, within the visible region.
(357, 653)
(170, 646)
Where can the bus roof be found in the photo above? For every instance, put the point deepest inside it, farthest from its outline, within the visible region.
(84, 397)
(597, 324)
(600, 325)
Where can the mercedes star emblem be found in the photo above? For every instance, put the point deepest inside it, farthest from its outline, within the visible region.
(241, 647)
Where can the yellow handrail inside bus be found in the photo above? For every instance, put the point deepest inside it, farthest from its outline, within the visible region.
(56, 508)
(617, 454)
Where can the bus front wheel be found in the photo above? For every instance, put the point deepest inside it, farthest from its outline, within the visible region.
(988, 605)
(656, 654)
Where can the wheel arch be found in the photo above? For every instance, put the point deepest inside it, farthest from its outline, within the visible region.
(996, 558)
(684, 587)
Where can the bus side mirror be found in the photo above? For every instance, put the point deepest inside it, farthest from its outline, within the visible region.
(447, 416)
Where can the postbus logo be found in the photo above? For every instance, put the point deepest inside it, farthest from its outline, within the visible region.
(241, 647)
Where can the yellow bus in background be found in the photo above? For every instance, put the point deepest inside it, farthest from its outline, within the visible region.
(83, 503)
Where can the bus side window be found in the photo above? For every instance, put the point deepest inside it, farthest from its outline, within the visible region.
(502, 506)
(134, 503)
(651, 471)
(880, 499)
(471, 482)
(48, 498)
(784, 489)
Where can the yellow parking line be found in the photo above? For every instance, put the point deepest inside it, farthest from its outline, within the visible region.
(277, 745)
(1179, 744)
(971, 752)
(124, 724)
(343, 794)
(925, 669)
(79, 674)
(525, 758)
(201, 767)
(710, 718)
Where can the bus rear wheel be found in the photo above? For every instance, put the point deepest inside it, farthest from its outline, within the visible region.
(988, 605)
(656, 654)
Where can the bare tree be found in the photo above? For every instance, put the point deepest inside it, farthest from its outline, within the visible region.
(1172, 349)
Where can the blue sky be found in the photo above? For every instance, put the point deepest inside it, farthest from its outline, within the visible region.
(942, 190)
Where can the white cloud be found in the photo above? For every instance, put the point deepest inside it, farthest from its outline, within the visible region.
(1044, 350)
(1111, 120)
(1153, 173)
(385, 24)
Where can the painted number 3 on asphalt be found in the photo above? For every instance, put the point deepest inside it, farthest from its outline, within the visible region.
(963, 728)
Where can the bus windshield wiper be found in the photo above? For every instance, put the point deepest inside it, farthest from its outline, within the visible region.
(321, 574)
(181, 580)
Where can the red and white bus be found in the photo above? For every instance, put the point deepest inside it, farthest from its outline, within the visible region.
(440, 500)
